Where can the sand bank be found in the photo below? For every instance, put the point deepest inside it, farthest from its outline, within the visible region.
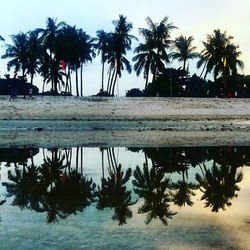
(65, 121)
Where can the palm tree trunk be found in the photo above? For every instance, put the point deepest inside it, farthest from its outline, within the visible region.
(103, 163)
(81, 161)
(102, 76)
(184, 66)
(31, 79)
(43, 85)
(203, 71)
(109, 78)
(70, 83)
(113, 88)
(81, 78)
(156, 68)
(146, 84)
(67, 81)
(77, 157)
(111, 81)
(77, 90)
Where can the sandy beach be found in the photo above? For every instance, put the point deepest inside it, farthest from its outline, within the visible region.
(90, 121)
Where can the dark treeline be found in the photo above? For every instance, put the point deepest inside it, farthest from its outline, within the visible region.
(59, 49)
(59, 186)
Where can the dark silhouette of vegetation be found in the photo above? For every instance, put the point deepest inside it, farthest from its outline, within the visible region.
(60, 49)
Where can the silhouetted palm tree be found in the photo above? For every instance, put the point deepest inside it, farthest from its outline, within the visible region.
(120, 42)
(102, 47)
(159, 35)
(220, 55)
(18, 53)
(33, 53)
(145, 58)
(184, 50)
(50, 43)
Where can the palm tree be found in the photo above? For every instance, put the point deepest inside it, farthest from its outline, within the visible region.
(184, 50)
(102, 47)
(54, 75)
(50, 43)
(120, 42)
(17, 53)
(50, 34)
(159, 34)
(144, 59)
(220, 55)
(34, 53)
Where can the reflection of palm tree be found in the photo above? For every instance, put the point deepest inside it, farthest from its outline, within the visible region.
(73, 193)
(151, 185)
(113, 194)
(167, 160)
(219, 186)
(49, 188)
(184, 192)
(25, 186)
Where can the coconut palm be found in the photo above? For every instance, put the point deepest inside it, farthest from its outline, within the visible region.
(33, 53)
(18, 53)
(102, 47)
(120, 42)
(159, 34)
(220, 55)
(144, 59)
(50, 34)
(50, 44)
(184, 50)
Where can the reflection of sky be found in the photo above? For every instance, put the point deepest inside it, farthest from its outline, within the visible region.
(193, 17)
(191, 228)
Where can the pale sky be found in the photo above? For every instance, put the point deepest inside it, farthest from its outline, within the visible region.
(192, 17)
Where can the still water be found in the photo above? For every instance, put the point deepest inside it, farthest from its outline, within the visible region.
(125, 198)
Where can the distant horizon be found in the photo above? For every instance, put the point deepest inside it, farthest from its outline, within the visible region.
(92, 16)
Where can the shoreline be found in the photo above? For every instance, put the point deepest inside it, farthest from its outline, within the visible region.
(143, 139)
